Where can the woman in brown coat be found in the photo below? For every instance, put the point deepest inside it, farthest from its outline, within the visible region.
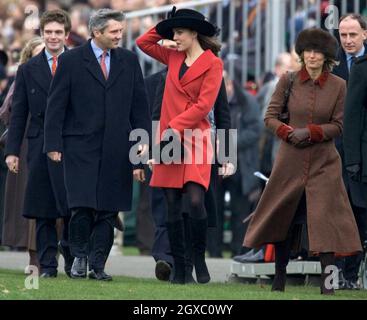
(307, 166)
(19, 232)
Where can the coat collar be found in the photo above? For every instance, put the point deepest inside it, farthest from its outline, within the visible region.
(342, 69)
(117, 64)
(201, 64)
(41, 71)
(321, 80)
(343, 65)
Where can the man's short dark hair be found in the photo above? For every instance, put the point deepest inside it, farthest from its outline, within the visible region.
(59, 16)
(355, 16)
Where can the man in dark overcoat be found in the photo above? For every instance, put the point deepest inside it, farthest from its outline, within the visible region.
(45, 197)
(352, 33)
(97, 97)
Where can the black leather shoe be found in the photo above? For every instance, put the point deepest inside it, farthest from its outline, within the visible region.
(119, 225)
(79, 268)
(189, 279)
(342, 285)
(279, 281)
(68, 259)
(48, 275)
(352, 285)
(163, 270)
(99, 275)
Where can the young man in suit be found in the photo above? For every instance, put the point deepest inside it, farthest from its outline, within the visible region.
(97, 97)
(45, 198)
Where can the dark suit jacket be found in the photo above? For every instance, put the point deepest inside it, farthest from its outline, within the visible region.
(355, 189)
(355, 122)
(89, 120)
(45, 195)
(246, 118)
(342, 69)
(152, 83)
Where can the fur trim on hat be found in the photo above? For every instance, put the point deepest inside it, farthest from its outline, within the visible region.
(318, 40)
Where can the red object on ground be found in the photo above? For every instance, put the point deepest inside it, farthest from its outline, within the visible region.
(269, 253)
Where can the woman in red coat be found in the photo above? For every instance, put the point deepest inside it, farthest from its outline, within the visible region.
(193, 81)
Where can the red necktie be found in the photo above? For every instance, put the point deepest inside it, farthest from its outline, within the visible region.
(54, 65)
(103, 64)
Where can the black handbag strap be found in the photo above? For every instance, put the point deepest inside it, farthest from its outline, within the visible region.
(291, 76)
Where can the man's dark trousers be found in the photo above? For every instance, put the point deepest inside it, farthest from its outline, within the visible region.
(91, 235)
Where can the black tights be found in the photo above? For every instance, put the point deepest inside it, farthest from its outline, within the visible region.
(195, 195)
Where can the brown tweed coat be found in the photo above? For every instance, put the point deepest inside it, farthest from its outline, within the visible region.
(315, 170)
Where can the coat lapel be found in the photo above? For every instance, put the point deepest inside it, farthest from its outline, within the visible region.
(117, 64)
(344, 66)
(41, 71)
(174, 70)
(200, 65)
(92, 64)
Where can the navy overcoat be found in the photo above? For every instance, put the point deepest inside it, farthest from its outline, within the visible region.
(88, 120)
(45, 195)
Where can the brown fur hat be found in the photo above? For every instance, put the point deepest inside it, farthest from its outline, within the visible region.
(318, 40)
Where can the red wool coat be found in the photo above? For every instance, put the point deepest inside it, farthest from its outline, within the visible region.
(186, 104)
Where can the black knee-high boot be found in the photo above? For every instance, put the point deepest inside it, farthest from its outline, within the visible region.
(177, 242)
(282, 253)
(326, 259)
(188, 251)
(198, 235)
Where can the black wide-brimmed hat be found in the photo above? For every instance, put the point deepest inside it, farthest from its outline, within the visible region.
(319, 40)
(185, 18)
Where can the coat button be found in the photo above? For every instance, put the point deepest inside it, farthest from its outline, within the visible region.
(40, 114)
(33, 91)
